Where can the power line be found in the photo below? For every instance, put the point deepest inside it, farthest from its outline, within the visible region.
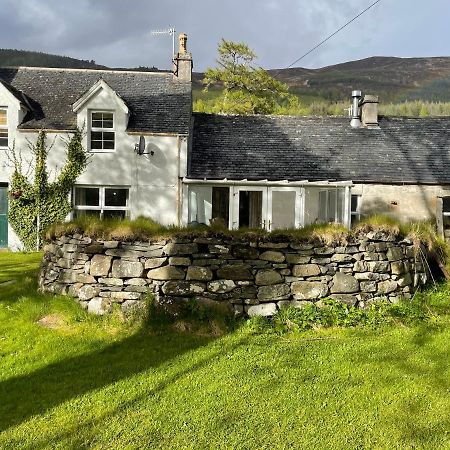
(333, 34)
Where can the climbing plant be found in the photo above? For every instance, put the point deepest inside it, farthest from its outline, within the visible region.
(35, 202)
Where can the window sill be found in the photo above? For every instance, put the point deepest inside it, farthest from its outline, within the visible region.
(101, 151)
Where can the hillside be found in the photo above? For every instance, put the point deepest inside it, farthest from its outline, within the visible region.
(13, 58)
(393, 79)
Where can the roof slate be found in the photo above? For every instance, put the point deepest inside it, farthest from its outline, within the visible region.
(402, 150)
(158, 103)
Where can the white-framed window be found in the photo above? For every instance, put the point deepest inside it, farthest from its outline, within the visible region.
(4, 127)
(103, 202)
(331, 205)
(102, 136)
(355, 212)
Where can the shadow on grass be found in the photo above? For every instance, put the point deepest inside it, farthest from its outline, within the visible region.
(82, 434)
(35, 393)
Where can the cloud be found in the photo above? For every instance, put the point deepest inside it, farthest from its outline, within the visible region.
(117, 33)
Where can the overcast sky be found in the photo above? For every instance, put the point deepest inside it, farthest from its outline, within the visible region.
(117, 33)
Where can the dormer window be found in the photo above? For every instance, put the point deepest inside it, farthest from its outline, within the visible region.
(102, 131)
(3, 128)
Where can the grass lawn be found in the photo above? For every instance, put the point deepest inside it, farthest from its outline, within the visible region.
(92, 382)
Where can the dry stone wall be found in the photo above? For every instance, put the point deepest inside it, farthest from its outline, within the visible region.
(251, 278)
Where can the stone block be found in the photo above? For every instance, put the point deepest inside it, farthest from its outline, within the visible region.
(99, 306)
(179, 261)
(324, 251)
(404, 281)
(309, 290)
(235, 272)
(199, 273)
(85, 279)
(127, 269)
(344, 283)
(121, 296)
(143, 289)
(295, 258)
(265, 310)
(88, 292)
(69, 248)
(111, 281)
(386, 287)
(274, 292)
(274, 245)
(180, 249)
(306, 270)
(135, 282)
(100, 265)
(398, 267)
(244, 252)
(183, 288)
(68, 276)
(342, 257)
(218, 249)
(368, 286)
(272, 256)
(378, 266)
(94, 248)
(110, 244)
(395, 254)
(122, 253)
(154, 263)
(166, 273)
(268, 277)
(221, 286)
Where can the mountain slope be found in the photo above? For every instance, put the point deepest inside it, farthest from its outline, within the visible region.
(14, 58)
(393, 79)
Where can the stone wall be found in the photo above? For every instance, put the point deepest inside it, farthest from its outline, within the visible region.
(248, 277)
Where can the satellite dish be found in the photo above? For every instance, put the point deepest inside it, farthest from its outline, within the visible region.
(141, 145)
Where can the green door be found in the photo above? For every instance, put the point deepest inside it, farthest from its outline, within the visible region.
(3, 216)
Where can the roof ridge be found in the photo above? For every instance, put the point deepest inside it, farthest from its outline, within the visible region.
(70, 69)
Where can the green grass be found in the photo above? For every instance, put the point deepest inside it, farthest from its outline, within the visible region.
(101, 383)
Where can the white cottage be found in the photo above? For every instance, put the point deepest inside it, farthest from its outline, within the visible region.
(151, 156)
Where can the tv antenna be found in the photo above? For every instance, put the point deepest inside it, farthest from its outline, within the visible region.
(167, 32)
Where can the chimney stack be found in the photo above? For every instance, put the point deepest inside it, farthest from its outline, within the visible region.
(183, 60)
(364, 110)
(369, 111)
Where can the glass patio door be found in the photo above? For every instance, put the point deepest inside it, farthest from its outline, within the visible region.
(250, 207)
(284, 208)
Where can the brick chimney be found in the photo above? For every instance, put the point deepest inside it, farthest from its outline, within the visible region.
(183, 60)
(369, 111)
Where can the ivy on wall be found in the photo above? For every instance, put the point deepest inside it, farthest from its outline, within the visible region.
(36, 203)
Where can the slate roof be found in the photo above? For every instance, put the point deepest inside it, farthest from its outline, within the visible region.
(158, 103)
(403, 150)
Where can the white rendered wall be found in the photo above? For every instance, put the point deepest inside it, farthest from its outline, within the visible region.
(154, 181)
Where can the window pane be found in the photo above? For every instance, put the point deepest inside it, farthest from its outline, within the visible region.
(3, 142)
(108, 145)
(114, 214)
(96, 145)
(221, 204)
(97, 124)
(116, 197)
(97, 116)
(87, 196)
(3, 117)
(108, 136)
(108, 124)
(96, 136)
(446, 204)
